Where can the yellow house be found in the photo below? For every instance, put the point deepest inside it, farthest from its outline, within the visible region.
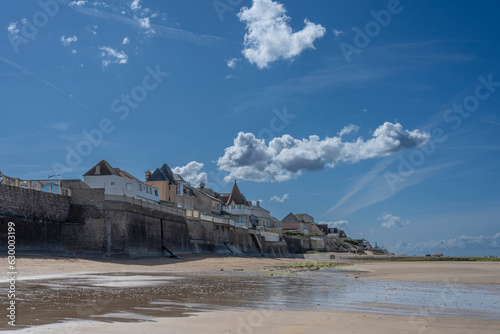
(172, 187)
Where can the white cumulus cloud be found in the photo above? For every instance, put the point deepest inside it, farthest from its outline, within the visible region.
(269, 36)
(388, 220)
(281, 199)
(191, 173)
(12, 28)
(144, 23)
(126, 41)
(111, 55)
(135, 5)
(77, 3)
(285, 157)
(68, 40)
(341, 224)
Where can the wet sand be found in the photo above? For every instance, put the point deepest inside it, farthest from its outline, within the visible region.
(445, 272)
(438, 272)
(283, 322)
(236, 295)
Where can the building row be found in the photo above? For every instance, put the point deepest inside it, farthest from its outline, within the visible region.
(163, 186)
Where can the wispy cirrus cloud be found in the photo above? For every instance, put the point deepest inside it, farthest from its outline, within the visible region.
(26, 72)
(160, 30)
(231, 63)
(373, 187)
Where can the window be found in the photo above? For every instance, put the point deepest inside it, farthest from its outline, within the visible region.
(156, 193)
(112, 184)
(140, 187)
(180, 189)
(128, 186)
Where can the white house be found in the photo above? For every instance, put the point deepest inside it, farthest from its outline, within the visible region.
(119, 182)
(261, 215)
(236, 204)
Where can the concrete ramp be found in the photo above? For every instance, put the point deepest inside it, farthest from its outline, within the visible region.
(222, 250)
(257, 243)
(233, 249)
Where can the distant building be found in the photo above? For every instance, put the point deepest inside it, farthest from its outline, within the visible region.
(275, 223)
(173, 189)
(338, 233)
(304, 217)
(365, 244)
(302, 223)
(207, 200)
(323, 228)
(59, 187)
(115, 181)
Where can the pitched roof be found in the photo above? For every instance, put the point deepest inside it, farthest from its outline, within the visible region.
(127, 175)
(259, 208)
(162, 174)
(104, 168)
(236, 196)
(178, 177)
(209, 193)
(290, 218)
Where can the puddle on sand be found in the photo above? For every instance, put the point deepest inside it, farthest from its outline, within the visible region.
(142, 297)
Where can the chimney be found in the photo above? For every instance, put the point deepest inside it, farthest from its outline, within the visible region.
(202, 185)
(258, 204)
(148, 174)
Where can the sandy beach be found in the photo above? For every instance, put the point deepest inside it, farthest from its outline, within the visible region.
(439, 272)
(272, 315)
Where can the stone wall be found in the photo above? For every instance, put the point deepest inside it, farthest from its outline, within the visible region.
(89, 225)
(38, 219)
(33, 205)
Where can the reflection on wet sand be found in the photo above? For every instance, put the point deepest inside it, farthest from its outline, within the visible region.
(133, 297)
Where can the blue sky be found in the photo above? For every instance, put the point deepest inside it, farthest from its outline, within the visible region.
(380, 117)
